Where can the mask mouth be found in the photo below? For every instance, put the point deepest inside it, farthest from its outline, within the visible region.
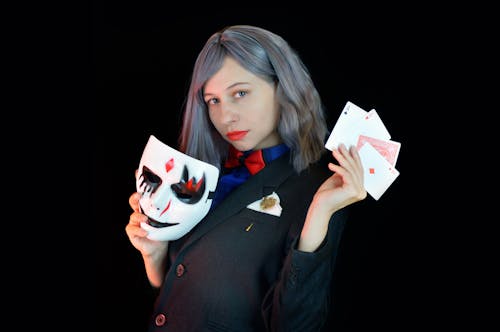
(157, 224)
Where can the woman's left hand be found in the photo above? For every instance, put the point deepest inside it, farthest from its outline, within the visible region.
(345, 186)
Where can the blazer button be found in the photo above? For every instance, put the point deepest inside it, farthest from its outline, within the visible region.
(160, 319)
(180, 270)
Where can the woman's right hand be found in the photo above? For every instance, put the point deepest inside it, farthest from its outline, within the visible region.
(138, 236)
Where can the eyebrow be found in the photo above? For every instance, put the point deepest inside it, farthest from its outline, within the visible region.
(229, 87)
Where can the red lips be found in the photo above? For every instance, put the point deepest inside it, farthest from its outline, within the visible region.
(236, 135)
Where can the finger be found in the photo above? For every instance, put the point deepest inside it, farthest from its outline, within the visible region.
(336, 179)
(343, 157)
(136, 218)
(337, 154)
(349, 180)
(133, 230)
(353, 151)
(358, 165)
(341, 171)
(349, 171)
(357, 171)
(134, 201)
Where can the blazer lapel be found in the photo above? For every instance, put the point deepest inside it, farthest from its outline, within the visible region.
(257, 186)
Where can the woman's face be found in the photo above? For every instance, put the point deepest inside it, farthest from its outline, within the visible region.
(242, 107)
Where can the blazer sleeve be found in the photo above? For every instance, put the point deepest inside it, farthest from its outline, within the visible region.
(300, 299)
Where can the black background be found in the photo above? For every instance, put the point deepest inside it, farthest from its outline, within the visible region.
(141, 60)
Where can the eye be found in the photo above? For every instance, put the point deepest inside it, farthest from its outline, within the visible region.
(212, 101)
(240, 94)
(150, 181)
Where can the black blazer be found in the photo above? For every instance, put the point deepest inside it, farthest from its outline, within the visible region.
(238, 269)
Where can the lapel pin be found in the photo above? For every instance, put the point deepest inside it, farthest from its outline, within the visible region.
(267, 202)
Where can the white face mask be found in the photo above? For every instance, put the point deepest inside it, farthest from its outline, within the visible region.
(174, 190)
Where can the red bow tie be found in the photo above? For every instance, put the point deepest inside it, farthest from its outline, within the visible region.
(254, 161)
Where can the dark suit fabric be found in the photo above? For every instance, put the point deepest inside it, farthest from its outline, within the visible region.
(221, 277)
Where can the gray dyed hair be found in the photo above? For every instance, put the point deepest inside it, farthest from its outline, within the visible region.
(301, 123)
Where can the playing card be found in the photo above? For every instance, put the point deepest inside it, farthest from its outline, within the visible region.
(387, 148)
(356, 122)
(379, 174)
(373, 126)
(349, 115)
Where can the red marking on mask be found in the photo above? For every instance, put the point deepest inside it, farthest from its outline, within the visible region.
(169, 165)
(191, 187)
(372, 170)
(168, 205)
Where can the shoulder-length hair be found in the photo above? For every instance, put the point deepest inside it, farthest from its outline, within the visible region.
(301, 123)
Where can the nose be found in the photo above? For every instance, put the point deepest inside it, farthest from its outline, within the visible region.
(159, 200)
(229, 112)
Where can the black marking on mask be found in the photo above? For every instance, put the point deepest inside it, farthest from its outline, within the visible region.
(150, 180)
(158, 224)
(189, 190)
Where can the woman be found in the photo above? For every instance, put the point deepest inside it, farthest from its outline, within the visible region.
(262, 258)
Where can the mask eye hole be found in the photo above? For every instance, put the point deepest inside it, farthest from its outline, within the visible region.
(189, 190)
(181, 193)
(150, 182)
